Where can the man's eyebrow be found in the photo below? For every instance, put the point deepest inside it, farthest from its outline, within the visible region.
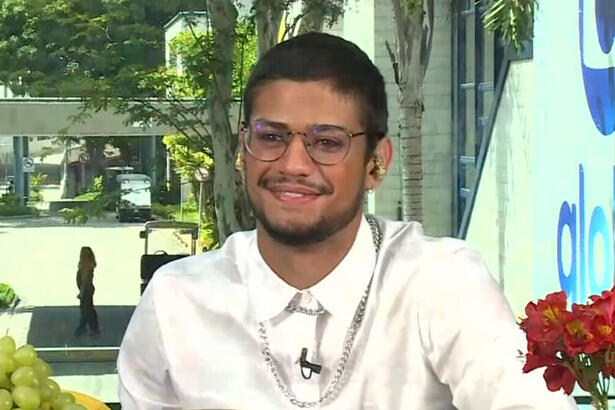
(270, 123)
(276, 124)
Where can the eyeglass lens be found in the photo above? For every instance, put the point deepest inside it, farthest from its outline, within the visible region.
(326, 144)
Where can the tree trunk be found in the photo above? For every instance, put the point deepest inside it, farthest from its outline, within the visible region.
(313, 18)
(223, 16)
(64, 180)
(410, 123)
(95, 147)
(268, 15)
(414, 23)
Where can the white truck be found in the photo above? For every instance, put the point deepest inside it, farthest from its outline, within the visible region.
(135, 201)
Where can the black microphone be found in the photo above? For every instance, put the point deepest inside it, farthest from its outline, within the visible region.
(304, 364)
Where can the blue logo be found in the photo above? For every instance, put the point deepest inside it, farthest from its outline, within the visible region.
(597, 35)
(581, 277)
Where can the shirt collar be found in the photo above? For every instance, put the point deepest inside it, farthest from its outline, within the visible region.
(339, 292)
(268, 293)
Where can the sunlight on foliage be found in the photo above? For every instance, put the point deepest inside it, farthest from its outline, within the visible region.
(187, 154)
(512, 19)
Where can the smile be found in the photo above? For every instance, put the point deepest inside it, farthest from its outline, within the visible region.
(294, 195)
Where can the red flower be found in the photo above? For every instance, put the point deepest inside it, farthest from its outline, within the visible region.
(602, 327)
(540, 355)
(604, 305)
(545, 320)
(609, 363)
(559, 377)
(577, 335)
(589, 328)
(573, 346)
(603, 333)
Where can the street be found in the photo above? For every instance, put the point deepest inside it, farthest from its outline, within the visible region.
(38, 258)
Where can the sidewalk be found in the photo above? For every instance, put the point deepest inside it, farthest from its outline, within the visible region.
(44, 276)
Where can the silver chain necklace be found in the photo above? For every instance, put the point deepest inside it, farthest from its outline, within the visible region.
(305, 311)
(333, 387)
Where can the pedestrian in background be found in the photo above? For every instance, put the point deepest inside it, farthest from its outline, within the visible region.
(85, 284)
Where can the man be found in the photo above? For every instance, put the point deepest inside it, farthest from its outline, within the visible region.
(322, 306)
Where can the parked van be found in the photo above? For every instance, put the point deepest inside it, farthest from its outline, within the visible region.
(135, 201)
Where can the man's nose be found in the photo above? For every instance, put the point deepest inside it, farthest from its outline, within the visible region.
(296, 160)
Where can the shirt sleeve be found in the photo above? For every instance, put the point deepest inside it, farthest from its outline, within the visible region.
(474, 345)
(144, 380)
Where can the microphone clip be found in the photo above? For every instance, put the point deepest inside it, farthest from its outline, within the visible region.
(304, 364)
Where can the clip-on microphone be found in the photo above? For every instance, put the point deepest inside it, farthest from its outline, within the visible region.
(304, 364)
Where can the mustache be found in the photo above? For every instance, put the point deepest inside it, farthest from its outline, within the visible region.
(269, 182)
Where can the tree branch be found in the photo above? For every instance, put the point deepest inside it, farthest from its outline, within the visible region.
(393, 62)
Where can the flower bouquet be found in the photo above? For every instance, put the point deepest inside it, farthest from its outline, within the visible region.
(575, 346)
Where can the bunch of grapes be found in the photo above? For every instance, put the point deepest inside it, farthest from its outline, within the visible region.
(25, 382)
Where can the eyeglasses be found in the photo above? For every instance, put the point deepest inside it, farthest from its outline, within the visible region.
(326, 144)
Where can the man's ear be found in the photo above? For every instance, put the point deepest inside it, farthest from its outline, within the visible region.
(379, 163)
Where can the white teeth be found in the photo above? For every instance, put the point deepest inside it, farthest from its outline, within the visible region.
(293, 194)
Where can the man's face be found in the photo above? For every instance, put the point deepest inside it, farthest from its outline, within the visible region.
(296, 200)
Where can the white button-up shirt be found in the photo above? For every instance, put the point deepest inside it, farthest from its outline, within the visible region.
(437, 332)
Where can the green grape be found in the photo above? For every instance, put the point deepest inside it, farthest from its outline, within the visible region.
(6, 400)
(41, 368)
(36, 382)
(7, 364)
(49, 390)
(73, 406)
(25, 356)
(62, 400)
(53, 383)
(24, 376)
(26, 397)
(7, 345)
(5, 382)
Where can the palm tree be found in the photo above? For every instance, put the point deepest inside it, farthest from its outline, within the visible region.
(414, 19)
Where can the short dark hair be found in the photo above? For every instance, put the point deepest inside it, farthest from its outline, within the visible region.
(318, 56)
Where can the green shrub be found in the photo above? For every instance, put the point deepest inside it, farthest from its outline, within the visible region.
(164, 211)
(9, 200)
(36, 197)
(94, 206)
(74, 216)
(16, 210)
(88, 196)
(36, 180)
(190, 204)
(207, 238)
(96, 185)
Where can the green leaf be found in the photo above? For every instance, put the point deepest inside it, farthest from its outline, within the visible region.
(512, 19)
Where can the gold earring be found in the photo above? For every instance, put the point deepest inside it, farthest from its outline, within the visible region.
(240, 167)
(379, 167)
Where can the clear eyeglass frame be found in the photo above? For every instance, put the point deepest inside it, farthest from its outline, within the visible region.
(275, 155)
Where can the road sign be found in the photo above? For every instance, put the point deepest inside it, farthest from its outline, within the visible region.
(201, 174)
(28, 164)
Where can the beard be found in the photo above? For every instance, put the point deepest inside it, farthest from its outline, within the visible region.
(323, 228)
